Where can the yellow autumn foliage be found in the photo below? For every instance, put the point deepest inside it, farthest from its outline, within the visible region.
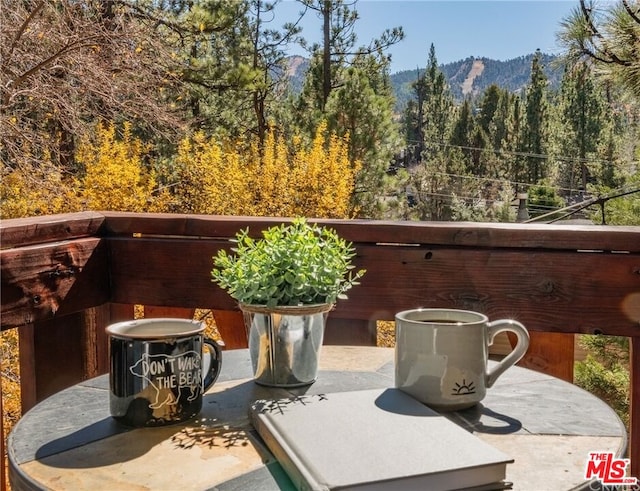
(206, 174)
(115, 175)
(44, 190)
(282, 180)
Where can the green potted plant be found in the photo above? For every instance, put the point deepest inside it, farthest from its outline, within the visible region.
(286, 283)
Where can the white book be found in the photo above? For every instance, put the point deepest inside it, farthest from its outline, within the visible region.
(374, 440)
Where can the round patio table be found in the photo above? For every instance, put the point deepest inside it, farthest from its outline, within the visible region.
(69, 441)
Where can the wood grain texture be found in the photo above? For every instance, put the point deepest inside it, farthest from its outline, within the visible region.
(43, 281)
(52, 228)
(3, 472)
(59, 354)
(28, 382)
(512, 235)
(634, 410)
(231, 327)
(580, 292)
(166, 271)
(551, 353)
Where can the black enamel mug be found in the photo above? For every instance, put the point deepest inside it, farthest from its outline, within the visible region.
(159, 370)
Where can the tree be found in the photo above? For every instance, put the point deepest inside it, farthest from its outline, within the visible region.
(428, 116)
(488, 107)
(583, 121)
(275, 179)
(544, 199)
(339, 40)
(462, 131)
(63, 63)
(362, 111)
(269, 60)
(608, 37)
(236, 66)
(434, 180)
(349, 87)
(115, 176)
(533, 143)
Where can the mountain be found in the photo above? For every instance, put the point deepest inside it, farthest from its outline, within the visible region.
(296, 70)
(467, 78)
(471, 76)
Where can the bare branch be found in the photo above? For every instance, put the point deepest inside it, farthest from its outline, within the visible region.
(21, 30)
(633, 14)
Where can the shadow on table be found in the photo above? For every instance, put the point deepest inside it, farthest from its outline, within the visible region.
(66, 451)
(482, 419)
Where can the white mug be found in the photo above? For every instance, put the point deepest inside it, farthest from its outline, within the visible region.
(441, 355)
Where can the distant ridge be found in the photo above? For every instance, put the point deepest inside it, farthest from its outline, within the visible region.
(467, 78)
(476, 70)
(471, 76)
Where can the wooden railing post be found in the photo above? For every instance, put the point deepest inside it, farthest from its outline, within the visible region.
(3, 475)
(151, 311)
(634, 410)
(357, 332)
(230, 324)
(60, 352)
(549, 352)
(28, 380)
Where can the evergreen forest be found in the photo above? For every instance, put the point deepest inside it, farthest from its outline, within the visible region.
(187, 106)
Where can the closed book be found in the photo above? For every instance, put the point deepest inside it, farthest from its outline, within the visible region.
(375, 440)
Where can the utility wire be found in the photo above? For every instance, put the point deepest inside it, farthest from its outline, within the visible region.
(575, 208)
(498, 180)
(518, 154)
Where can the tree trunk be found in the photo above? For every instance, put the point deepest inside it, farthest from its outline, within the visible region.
(326, 53)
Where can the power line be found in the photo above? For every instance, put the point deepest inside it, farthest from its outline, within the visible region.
(575, 208)
(498, 180)
(520, 154)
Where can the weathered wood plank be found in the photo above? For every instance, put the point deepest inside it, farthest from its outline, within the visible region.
(503, 235)
(546, 290)
(121, 312)
(169, 265)
(26, 346)
(94, 341)
(43, 281)
(152, 311)
(3, 472)
(57, 357)
(230, 324)
(354, 332)
(551, 353)
(634, 410)
(20, 232)
(580, 292)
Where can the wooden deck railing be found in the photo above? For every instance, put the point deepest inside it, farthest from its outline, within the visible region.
(65, 277)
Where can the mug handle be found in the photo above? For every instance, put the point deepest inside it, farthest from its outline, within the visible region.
(506, 325)
(215, 355)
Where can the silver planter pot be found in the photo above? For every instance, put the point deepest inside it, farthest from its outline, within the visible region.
(284, 343)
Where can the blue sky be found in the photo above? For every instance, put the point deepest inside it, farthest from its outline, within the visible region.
(501, 29)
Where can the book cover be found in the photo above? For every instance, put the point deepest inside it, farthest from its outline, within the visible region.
(374, 439)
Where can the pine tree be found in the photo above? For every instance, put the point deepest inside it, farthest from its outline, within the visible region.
(607, 36)
(348, 86)
(462, 133)
(433, 180)
(533, 141)
(489, 106)
(339, 44)
(583, 120)
(362, 110)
